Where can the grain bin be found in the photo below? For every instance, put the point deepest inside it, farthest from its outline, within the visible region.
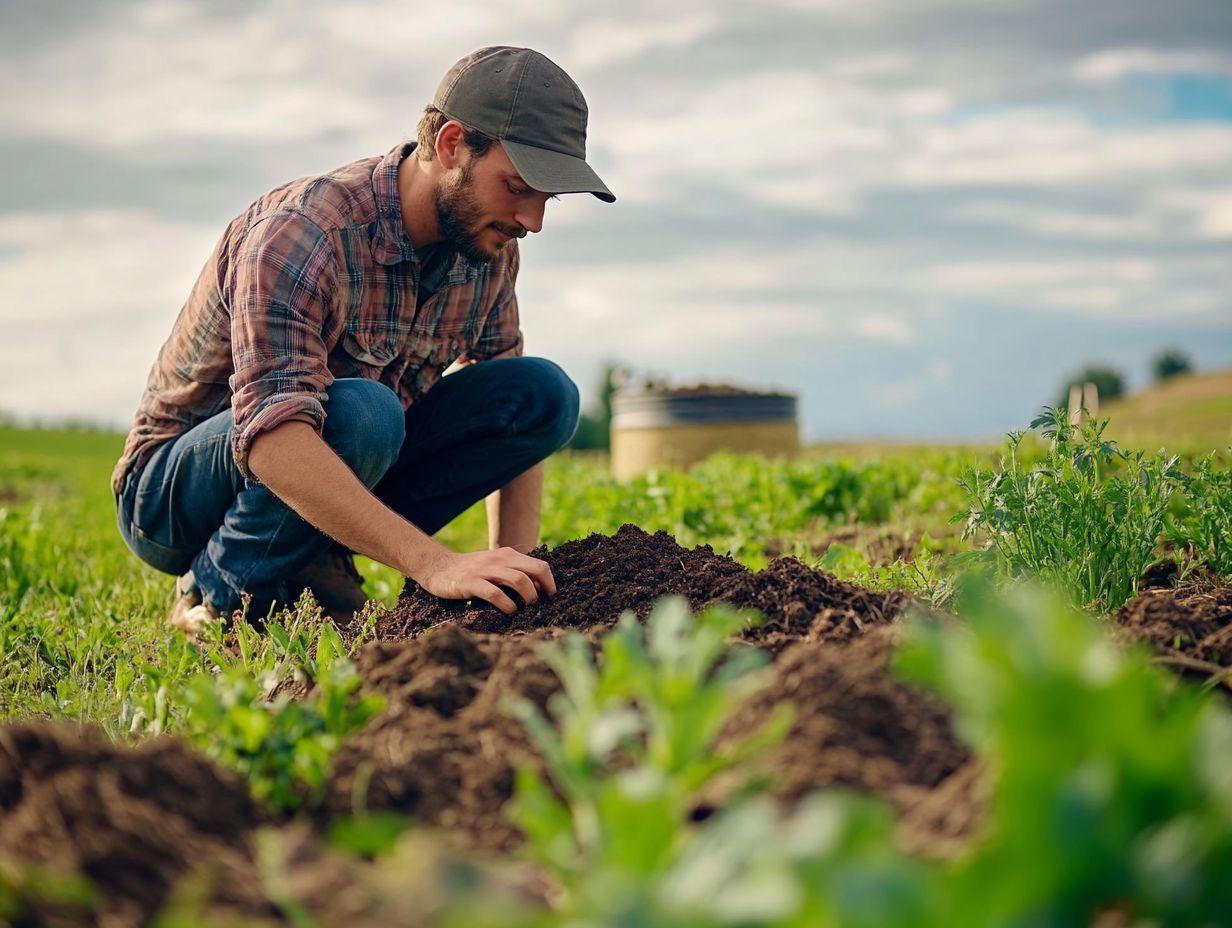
(658, 428)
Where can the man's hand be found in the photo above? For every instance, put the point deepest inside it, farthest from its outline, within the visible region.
(488, 575)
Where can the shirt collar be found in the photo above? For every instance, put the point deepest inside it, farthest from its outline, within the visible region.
(390, 244)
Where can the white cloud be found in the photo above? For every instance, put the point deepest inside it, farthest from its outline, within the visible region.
(1058, 221)
(602, 42)
(1207, 210)
(911, 391)
(1115, 64)
(891, 329)
(1055, 147)
(85, 302)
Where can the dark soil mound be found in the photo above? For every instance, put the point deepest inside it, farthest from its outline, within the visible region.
(1192, 624)
(444, 749)
(599, 577)
(133, 821)
(856, 725)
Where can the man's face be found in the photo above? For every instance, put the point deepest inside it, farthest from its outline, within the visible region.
(483, 204)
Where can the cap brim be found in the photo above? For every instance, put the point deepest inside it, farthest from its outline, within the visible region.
(554, 172)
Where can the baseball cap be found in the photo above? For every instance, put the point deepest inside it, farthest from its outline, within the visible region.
(535, 110)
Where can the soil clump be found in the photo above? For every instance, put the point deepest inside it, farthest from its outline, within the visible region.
(1189, 627)
(132, 821)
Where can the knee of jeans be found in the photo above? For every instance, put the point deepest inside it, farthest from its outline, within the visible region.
(556, 397)
(365, 424)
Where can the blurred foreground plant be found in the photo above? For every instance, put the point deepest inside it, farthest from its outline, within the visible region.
(633, 742)
(1110, 788)
(1111, 782)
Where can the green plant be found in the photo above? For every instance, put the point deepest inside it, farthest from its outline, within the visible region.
(1111, 786)
(1205, 525)
(926, 576)
(633, 742)
(284, 746)
(1087, 517)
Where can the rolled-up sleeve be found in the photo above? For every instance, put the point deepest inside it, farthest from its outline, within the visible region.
(285, 280)
(502, 331)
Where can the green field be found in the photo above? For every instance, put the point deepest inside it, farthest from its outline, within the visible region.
(1112, 793)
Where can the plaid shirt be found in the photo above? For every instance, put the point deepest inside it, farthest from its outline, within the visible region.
(317, 280)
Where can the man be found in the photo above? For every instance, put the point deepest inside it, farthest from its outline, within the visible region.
(297, 412)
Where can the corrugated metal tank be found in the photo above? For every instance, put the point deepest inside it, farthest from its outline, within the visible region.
(661, 429)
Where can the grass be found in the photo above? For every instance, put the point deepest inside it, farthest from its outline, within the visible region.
(1189, 414)
(82, 621)
(1111, 789)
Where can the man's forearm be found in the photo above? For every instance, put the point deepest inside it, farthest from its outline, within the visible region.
(305, 473)
(514, 511)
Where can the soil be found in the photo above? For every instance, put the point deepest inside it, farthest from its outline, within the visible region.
(133, 820)
(601, 576)
(1189, 627)
(444, 749)
(137, 821)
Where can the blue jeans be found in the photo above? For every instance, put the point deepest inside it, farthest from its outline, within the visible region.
(188, 506)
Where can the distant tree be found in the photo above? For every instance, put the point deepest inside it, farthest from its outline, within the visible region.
(1108, 381)
(1170, 363)
(594, 425)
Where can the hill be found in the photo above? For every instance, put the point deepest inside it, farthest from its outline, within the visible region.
(1188, 413)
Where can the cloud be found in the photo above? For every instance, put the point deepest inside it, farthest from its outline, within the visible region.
(599, 43)
(1116, 64)
(109, 285)
(830, 196)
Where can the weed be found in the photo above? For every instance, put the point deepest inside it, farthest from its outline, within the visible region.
(1087, 517)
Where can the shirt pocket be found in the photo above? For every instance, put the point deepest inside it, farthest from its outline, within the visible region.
(372, 354)
(370, 349)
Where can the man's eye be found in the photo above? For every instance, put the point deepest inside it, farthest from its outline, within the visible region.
(517, 192)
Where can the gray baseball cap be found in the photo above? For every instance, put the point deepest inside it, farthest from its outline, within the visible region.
(533, 107)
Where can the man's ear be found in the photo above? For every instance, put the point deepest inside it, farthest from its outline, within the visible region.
(449, 144)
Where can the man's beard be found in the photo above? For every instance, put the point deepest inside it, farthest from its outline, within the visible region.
(458, 215)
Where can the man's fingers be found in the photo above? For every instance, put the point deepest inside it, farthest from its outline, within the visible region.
(521, 584)
(538, 571)
(490, 592)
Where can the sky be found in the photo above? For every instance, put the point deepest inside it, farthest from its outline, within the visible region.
(920, 216)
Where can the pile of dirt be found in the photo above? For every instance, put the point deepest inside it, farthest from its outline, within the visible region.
(157, 827)
(138, 821)
(134, 821)
(444, 749)
(1190, 625)
(856, 725)
(601, 576)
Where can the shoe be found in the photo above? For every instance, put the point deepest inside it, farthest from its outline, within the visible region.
(190, 613)
(335, 582)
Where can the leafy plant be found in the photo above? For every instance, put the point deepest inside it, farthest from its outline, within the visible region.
(1205, 525)
(284, 746)
(926, 576)
(633, 742)
(1087, 517)
(1111, 781)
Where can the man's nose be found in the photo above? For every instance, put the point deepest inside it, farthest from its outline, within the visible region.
(530, 215)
